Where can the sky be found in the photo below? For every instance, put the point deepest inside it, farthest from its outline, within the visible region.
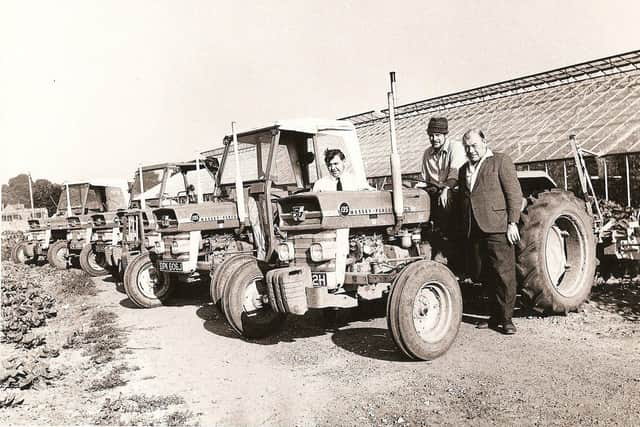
(92, 88)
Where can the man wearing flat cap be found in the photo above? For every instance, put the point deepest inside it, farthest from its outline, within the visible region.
(440, 164)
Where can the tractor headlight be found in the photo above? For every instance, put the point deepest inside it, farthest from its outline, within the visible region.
(285, 251)
(159, 247)
(152, 240)
(322, 251)
(179, 246)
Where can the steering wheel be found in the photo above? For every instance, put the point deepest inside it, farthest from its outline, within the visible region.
(302, 190)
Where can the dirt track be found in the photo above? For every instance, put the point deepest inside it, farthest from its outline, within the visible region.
(580, 369)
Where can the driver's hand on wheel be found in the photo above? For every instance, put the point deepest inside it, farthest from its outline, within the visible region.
(513, 235)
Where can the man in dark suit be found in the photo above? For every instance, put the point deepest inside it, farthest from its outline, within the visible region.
(491, 200)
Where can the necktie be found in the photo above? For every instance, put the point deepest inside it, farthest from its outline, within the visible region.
(339, 185)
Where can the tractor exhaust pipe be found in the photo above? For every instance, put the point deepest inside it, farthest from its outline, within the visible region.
(66, 186)
(242, 214)
(392, 77)
(143, 202)
(199, 197)
(396, 170)
(31, 196)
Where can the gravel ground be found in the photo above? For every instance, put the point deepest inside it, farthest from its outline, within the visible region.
(181, 364)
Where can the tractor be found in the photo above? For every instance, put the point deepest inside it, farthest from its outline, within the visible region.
(153, 186)
(36, 240)
(333, 249)
(90, 206)
(178, 240)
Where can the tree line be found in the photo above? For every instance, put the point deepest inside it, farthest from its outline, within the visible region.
(45, 193)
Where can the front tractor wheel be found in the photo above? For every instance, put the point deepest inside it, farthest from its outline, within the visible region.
(424, 310)
(58, 255)
(145, 286)
(20, 253)
(244, 302)
(91, 262)
(557, 253)
(220, 276)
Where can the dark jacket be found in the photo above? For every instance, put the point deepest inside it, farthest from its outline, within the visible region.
(496, 198)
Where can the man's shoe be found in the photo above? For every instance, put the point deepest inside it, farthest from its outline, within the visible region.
(509, 328)
(486, 324)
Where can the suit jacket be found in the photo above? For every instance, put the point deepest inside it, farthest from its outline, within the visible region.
(496, 198)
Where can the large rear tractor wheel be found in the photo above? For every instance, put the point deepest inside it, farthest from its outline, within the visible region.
(220, 276)
(557, 253)
(91, 262)
(244, 303)
(20, 253)
(424, 310)
(145, 286)
(58, 255)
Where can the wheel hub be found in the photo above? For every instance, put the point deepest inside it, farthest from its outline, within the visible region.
(150, 284)
(93, 261)
(431, 311)
(564, 256)
(62, 255)
(253, 299)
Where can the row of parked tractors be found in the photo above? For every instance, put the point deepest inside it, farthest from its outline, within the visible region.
(247, 222)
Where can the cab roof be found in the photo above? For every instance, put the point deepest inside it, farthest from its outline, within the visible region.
(99, 183)
(304, 125)
(188, 166)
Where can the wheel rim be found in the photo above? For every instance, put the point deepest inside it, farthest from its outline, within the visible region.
(252, 302)
(432, 311)
(92, 259)
(565, 255)
(21, 255)
(62, 255)
(149, 284)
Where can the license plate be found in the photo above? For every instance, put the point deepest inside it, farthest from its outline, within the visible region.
(76, 245)
(170, 266)
(319, 280)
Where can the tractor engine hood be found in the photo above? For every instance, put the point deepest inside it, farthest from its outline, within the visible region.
(38, 224)
(105, 220)
(350, 209)
(58, 223)
(79, 221)
(197, 216)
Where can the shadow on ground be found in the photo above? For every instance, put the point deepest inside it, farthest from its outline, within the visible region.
(621, 297)
(313, 323)
(192, 294)
(374, 343)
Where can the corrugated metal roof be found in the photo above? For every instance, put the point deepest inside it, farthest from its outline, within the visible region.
(529, 118)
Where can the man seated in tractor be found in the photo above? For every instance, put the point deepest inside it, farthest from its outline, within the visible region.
(440, 165)
(338, 179)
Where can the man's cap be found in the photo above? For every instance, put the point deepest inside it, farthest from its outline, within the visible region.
(438, 125)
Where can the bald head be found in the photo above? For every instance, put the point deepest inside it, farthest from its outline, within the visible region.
(474, 144)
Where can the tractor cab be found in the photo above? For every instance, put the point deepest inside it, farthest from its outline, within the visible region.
(290, 153)
(169, 184)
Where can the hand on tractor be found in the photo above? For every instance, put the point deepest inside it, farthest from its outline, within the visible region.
(513, 235)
